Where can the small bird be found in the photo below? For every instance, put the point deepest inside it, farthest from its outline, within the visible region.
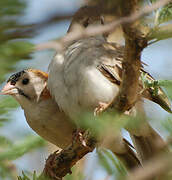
(89, 72)
(86, 77)
(29, 88)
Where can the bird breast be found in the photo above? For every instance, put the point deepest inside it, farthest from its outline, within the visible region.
(50, 123)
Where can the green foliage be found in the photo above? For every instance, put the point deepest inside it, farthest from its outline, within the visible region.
(168, 125)
(155, 84)
(10, 53)
(6, 170)
(165, 14)
(111, 164)
(13, 46)
(75, 175)
(12, 151)
(167, 84)
(107, 122)
(5, 142)
(153, 1)
(25, 177)
(103, 160)
(149, 83)
(6, 103)
(17, 150)
(11, 7)
(15, 50)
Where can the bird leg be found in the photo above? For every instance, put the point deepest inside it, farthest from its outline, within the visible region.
(101, 107)
(78, 135)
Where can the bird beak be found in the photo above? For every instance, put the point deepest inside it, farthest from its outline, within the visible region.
(9, 89)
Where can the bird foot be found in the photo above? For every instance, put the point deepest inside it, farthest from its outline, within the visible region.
(102, 106)
(78, 137)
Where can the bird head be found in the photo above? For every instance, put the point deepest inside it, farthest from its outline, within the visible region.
(27, 86)
(86, 16)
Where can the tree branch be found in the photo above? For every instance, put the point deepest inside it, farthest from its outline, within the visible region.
(160, 33)
(99, 29)
(135, 41)
(59, 164)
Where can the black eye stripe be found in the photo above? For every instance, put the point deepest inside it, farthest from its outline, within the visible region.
(23, 94)
(15, 77)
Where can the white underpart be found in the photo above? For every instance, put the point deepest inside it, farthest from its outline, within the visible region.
(55, 80)
(78, 89)
(49, 122)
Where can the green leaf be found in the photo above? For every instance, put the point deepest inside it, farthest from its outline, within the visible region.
(107, 122)
(5, 142)
(155, 84)
(160, 33)
(33, 176)
(153, 1)
(76, 175)
(104, 161)
(167, 84)
(7, 103)
(19, 149)
(165, 14)
(13, 47)
(111, 163)
(7, 170)
(120, 169)
(25, 177)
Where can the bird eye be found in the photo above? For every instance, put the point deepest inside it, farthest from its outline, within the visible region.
(25, 81)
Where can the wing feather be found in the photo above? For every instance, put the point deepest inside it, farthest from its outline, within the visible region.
(111, 68)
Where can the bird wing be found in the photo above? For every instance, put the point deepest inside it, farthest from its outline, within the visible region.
(111, 68)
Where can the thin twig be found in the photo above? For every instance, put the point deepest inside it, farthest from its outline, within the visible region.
(135, 42)
(59, 164)
(99, 29)
(160, 33)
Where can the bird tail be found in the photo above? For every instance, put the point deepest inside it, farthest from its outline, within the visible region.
(146, 140)
(148, 146)
(122, 149)
(128, 157)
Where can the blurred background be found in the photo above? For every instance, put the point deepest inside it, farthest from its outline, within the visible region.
(24, 23)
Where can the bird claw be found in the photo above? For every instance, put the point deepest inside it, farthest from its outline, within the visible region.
(78, 136)
(101, 107)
